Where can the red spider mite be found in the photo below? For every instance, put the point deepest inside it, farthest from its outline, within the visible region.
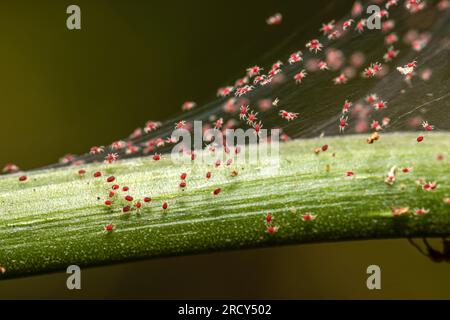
(243, 112)
(275, 19)
(96, 150)
(357, 9)
(225, 91)
(115, 187)
(341, 79)
(111, 179)
(387, 26)
(346, 107)
(243, 90)
(440, 157)
(342, 124)
(327, 28)
(299, 76)
(188, 105)
(406, 170)
(269, 218)
(125, 189)
(420, 139)
(323, 65)
(314, 45)
(157, 157)
(347, 24)
(147, 199)
(430, 186)
(390, 39)
(183, 176)
(427, 126)
(23, 178)
(111, 194)
(138, 205)
(97, 174)
(208, 175)
(111, 157)
(257, 127)
(218, 124)
(182, 184)
(289, 116)
(272, 229)
(350, 173)
(254, 71)
(10, 168)
(117, 145)
(421, 211)
(82, 172)
(375, 125)
(126, 209)
(371, 98)
(324, 147)
(360, 25)
(251, 117)
(151, 126)
(391, 3)
(217, 191)
(295, 57)
(390, 54)
(129, 198)
(380, 105)
(165, 205)
(308, 217)
(109, 227)
(108, 203)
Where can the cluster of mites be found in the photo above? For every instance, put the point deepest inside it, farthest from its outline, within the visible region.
(334, 60)
(119, 198)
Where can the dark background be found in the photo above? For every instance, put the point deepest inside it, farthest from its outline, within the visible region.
(63, 91)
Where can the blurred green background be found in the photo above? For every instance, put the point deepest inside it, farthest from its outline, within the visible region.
(63, 91)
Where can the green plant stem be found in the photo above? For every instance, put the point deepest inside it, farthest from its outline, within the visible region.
(57, 218)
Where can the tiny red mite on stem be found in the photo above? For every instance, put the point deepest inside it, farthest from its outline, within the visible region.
(125, 189)
(109, 227)
(108, 203)
(23, 178)
(183, 176)
(115, 187)
(147, 199)
(272, 229)
(165, 205)
(129, 198)
(81, 172)
(111, 179)
(308, 217)
(217, 191)
(126, 209)
(97, 174)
